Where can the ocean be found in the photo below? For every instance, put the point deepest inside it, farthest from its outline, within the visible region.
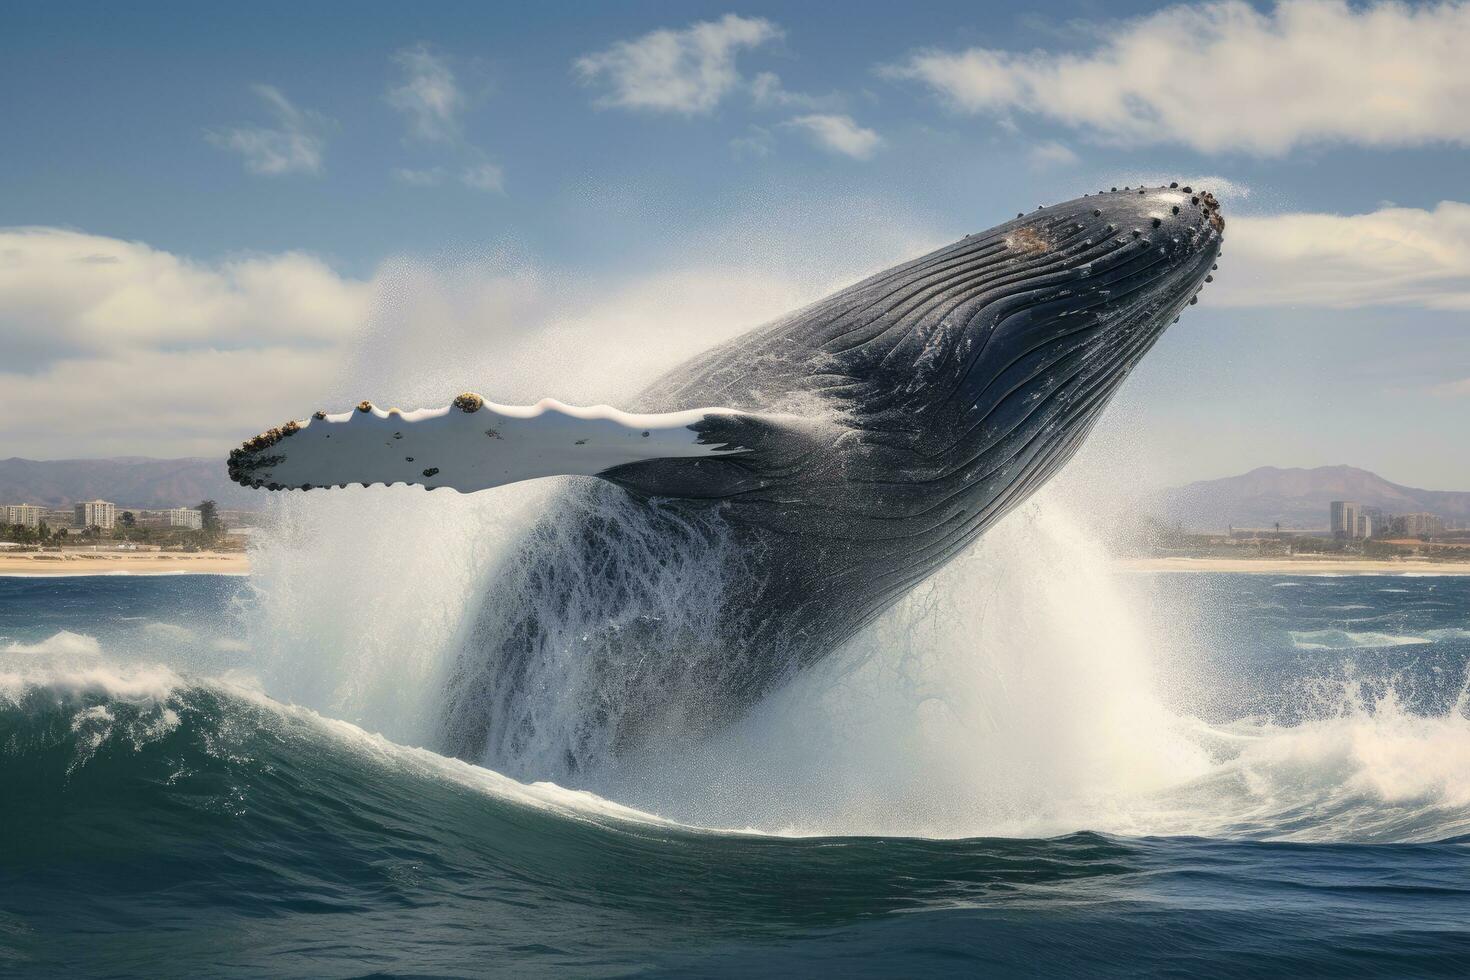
(1034, 767)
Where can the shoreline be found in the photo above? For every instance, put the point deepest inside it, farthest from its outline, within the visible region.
(1295, 566)
(52, 564)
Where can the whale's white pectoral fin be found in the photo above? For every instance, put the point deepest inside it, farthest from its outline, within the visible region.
(469, 445)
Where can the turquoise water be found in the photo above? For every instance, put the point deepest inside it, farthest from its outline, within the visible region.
(163, 815)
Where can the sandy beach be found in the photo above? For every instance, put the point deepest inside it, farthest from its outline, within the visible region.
(1297, 566)
(238, 563)
(113, 563)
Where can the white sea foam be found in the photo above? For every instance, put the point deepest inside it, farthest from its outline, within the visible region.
(61, 643)
(1333, 639)
(1371, 771)
(136, 683)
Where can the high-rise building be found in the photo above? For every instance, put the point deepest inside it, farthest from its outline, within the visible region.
(95, 513)
(1344, 514)
(1382, 520)
(185, 517)
(1421, 524)
(1365, 526)
(28, 515)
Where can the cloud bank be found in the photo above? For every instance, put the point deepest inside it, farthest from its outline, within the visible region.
(1224, 76)
(1390, 257)
(114, 347)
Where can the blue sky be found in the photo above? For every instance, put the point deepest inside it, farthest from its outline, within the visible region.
(212, 216)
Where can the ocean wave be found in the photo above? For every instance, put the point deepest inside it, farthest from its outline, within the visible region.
(229, 718)
(1372, 772)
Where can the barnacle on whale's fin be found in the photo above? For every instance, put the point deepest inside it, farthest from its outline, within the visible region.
(471, 444)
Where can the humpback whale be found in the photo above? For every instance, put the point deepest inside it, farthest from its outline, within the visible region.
(756, 506)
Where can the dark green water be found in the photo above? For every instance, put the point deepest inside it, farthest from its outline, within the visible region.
(158, 824)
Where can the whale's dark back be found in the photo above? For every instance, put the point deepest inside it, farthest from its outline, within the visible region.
(949, 389)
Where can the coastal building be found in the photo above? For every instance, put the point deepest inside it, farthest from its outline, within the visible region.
(1365, 526)
(185, 517)
(1382, 520)
(1344, 516)
(95, 513)
(27, 515)
(1419, 525)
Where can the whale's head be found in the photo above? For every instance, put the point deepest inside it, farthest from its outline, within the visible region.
(1032, 324)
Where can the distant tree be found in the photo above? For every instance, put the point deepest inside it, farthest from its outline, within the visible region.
(128, 520)
(209, 520)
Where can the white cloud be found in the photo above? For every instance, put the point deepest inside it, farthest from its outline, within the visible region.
(684, 71)
(1045, 156)
(768, 92)
(838, 134)
(294, 145)
(1223, 76)
(159, 402)
(1391, 257)
(428, 95)
(114, 347)
(757, 143)
(484, 177)
(480, 177)
(427, 177)
(65, 293)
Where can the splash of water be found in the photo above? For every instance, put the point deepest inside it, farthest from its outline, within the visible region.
(599, 630)
(1022, 691)
(1012, 693)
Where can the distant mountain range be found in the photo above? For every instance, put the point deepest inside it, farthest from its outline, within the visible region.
(1298, 498)
(137, 482)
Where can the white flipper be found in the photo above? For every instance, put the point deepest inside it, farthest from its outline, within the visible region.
(469, 445)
